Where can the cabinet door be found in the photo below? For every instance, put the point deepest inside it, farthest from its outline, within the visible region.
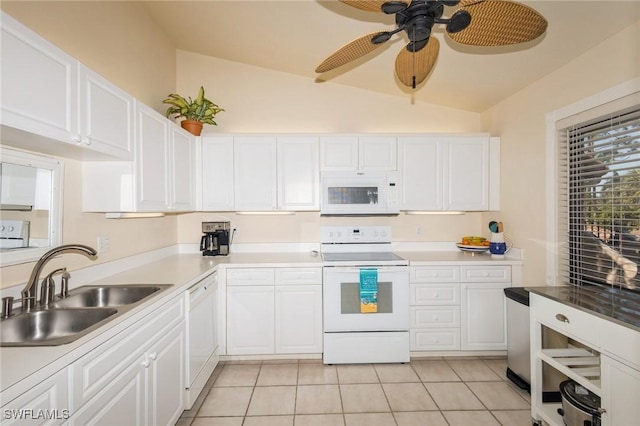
(121, 402)
(38, 85)
(298, 321)
(298, 173)
(620, 390)
(106, 116)
(165, 377)
(466, 172)
(183, 177)
(339, 153)
(255, 173)
(51, 396)
(250, 320)
(483, 313)
(217, 173)
(377, 153)
(152, 162)
(421, 173)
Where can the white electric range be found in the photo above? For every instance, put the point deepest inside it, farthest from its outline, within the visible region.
(365, 296)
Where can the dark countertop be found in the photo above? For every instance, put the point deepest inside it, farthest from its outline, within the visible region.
(613, 304)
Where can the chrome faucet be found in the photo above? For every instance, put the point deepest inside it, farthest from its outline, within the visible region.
(31, 288)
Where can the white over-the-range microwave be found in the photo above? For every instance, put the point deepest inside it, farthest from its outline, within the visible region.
(359, 193)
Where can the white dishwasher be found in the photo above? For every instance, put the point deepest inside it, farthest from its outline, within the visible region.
(202, 340)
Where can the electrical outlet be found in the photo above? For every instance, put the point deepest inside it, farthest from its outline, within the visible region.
(104, 244)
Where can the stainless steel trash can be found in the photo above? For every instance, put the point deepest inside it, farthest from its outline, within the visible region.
(518, 345)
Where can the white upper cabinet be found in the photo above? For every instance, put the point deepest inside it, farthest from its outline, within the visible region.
(39, 84)
(466, 173)
(182, 159)
(216, 159)
(106, 116)
(160, 179)
(152, 160)
(449, 173)
(298, 173)
(255, 174)
(421, 173)
(364, 152)
(52, 97)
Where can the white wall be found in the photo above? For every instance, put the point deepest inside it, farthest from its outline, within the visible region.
(520, 122)
(260, 100)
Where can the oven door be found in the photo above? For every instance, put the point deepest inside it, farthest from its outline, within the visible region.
(341, 300)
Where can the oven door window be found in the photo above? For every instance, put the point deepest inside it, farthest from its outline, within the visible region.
(350, 298)
(352, 194)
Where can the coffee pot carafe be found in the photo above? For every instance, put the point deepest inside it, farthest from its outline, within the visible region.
(215, 241)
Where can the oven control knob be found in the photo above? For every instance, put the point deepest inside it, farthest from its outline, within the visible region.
(11, 228)
(1, 227)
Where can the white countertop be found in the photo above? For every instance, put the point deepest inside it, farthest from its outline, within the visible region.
(182, 270)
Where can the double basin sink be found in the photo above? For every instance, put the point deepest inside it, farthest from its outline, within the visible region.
(65, 320)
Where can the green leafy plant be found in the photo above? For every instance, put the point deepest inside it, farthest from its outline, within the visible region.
(200, 109)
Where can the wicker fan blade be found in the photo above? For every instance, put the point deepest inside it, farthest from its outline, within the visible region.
(499, 23)
(371, 5)
(351, 51)
(412, 68)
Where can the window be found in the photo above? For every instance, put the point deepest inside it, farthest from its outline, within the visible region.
(599, 199)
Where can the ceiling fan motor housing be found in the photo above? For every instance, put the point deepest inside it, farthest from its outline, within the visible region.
(418, 19)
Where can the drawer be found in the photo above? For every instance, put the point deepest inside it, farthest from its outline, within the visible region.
(446, 339)
(622, 343)
(435, 294)
(295, 276)
(435, 316)
(250, 276)
(95, 370)
(567, 320)
(485, 274)
(434, 274)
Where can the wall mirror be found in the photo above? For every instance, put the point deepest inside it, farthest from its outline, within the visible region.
(30, 205)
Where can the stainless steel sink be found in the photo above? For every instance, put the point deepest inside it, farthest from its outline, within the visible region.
(65, 320)
(107, 296)
(52, 327)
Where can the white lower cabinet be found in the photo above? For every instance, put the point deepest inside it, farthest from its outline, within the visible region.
(49, 398)
(620, 391)
(250, 320)
(453, 308)
(274, 311)
(136, 377)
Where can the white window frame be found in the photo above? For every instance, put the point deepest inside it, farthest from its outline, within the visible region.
(554, 247)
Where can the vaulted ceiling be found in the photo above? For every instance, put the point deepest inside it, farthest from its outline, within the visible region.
(294, 36)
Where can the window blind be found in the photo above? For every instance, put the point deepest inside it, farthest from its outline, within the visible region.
(599, 200)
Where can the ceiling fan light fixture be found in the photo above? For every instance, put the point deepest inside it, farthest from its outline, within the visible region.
(393, 7)
(459, 21)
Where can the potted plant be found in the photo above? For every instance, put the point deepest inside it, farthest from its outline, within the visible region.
(195, 112)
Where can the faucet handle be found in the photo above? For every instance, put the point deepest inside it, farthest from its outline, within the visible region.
(7, 307)
(64, 284)
(47, 291)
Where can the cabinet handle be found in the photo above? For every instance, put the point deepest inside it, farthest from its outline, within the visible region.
(146, 362)
(153, 356)
(86, 141)
(562, 318)
(77, 139)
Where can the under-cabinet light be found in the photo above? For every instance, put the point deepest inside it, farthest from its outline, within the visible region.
(433, 212)
(268, 212)
(133, 215)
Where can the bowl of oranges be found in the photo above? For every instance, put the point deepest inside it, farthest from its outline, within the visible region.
(473, 244)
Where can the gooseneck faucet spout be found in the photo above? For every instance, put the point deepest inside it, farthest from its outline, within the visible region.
(30, 289)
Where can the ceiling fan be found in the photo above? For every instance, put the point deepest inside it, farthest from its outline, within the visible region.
(476, 23)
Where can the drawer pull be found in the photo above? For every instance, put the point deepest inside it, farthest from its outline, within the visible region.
(562, 318)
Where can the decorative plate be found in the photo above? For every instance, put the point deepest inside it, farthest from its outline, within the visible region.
(472, 249)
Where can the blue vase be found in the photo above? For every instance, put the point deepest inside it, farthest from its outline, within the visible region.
(497, 248)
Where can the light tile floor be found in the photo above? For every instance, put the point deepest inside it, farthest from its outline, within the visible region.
(428, 391)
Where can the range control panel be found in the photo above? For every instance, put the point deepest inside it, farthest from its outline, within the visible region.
(355, 234)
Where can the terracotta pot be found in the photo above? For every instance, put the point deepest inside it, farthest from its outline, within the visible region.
(192, 126)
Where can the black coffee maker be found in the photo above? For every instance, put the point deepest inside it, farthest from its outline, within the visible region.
(215, 241)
